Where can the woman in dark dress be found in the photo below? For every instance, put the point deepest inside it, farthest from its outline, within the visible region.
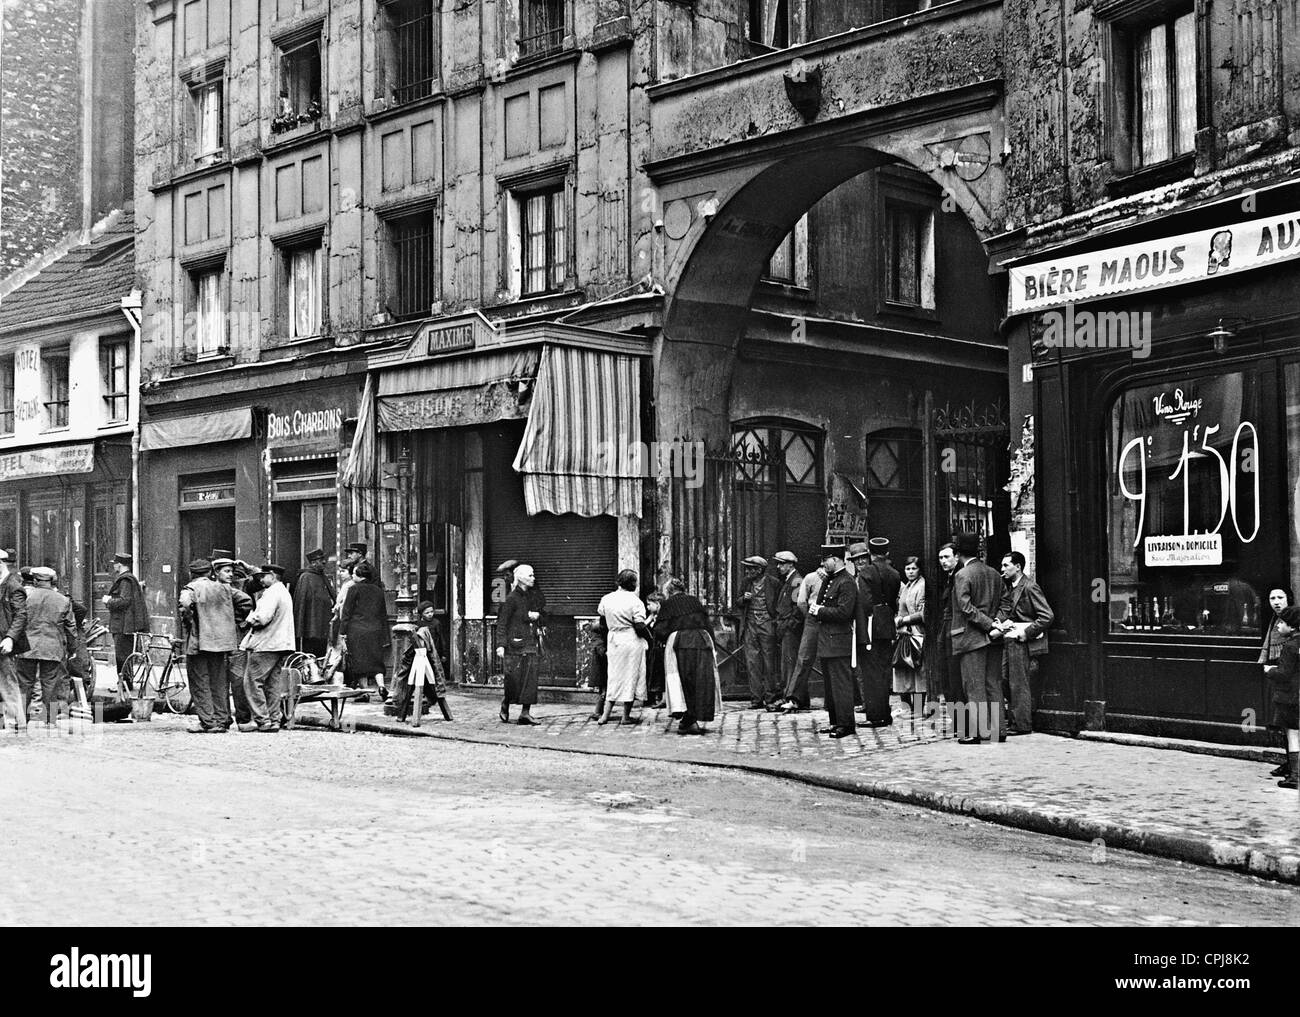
(1279, 599)
(363, 630)
(683, 624)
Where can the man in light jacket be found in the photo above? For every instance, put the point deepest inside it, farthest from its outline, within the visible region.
(51, 637)
(269, 640)
(208, 612)
(13, 626)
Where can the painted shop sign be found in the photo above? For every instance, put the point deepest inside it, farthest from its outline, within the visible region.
(452, 335)
(1205, 549)
(27, 383)
(1170, 261)
(459, 407)
(46, 462)
(317, 422)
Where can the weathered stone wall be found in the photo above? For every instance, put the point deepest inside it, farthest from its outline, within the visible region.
(40, 127)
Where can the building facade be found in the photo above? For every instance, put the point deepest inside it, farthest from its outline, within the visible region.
(1153, 309)
(468, 244)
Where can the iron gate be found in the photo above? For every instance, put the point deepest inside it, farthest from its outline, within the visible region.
(972, 462)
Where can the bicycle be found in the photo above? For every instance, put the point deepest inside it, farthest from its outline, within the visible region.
(147, 671)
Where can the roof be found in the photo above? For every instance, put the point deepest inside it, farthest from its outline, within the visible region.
(88, 278)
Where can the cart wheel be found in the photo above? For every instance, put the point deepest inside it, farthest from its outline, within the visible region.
(177, 697)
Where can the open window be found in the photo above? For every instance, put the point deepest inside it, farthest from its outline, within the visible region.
(298, 83)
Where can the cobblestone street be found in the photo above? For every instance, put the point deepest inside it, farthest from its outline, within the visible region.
(146, 825)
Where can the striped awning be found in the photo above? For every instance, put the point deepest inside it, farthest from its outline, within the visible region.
(457, 392)
(580, 451)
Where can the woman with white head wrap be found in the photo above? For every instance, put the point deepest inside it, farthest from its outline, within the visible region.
(518, 645)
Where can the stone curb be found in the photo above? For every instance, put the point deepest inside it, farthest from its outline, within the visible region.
(1246, 752)
(1213, 853)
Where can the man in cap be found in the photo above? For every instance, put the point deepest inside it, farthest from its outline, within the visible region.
(223, 571)
(976, 641)
(208, 608)
(51, 636)
(269, 640)
(835, 608)
(878, 586)
(127, 612)
(313, 605)
(758, 631)
(789, 623)
(13, 640)
(354, 554)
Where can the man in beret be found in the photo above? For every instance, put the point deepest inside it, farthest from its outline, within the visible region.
(223, 571)
(976, 642)
(878, 586)
(208, 624)
(269, 640)
(127, 612)
(835, 608)
(313, 605)
(758, 631)
(13, 640)
(51, 637)
(789, 624)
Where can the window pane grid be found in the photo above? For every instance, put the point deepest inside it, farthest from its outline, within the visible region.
(304, 293)
(7, 398)
(1185, 83)
(545, 241)
(210, 327)
(112, 358)
(543, 27)
(414, 265)
(55, 369)
(414, 50)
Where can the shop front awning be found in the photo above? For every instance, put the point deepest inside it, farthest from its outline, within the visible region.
(459, 392)
(199, 429)
(581, 450)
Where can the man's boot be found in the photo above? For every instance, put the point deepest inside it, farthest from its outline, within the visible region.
(1293, 761)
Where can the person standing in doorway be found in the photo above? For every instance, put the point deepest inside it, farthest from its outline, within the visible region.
(269, 640)
(364, 632)
(976, 641)
(51, 637)
(127, 612)
(313, 605)
(13, 640)
(835, 608)
(1024, 617)
(758, 631)
(519, 644)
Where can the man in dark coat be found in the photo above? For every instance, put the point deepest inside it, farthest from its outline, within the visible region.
(977, 641)
(835, 609)
(878, 586)
(313, 605)
(758, 631)
(51, 637)
(1024, 617)
(13, 640)
(127, 612)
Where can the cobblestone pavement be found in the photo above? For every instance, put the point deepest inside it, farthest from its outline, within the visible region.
(1208, 809)
(145, 824)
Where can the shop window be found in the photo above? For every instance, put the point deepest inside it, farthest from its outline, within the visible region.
(300, 299)
(413, 261)
(543, 25)
(788, 265)
(908, 255)
(1188, 550)
(54, 369)
(7, 397)
(207, 312)
(1153, 66)
(299, 82)
(409, 44)
(113, 378)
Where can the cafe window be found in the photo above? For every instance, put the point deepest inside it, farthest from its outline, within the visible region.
(1188, 548)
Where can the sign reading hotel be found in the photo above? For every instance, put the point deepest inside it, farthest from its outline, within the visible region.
(48, 462)
(1169, 261)
(1202, 549)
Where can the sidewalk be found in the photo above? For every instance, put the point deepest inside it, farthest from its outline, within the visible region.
(1203, 809)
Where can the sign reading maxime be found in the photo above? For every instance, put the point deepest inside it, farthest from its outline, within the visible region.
(1169, 261)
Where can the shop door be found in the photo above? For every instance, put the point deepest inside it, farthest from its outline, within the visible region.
(47, 533)
(896, 492)
(201, 531)
(109, 535)
(970, 450)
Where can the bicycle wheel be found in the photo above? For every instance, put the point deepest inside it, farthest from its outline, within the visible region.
(137, 672)
(175, 692)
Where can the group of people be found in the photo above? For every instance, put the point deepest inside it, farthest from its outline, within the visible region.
(872, 632)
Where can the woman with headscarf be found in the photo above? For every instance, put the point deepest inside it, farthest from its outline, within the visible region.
(1284, 676)
(363, 629)
(519, 645)
(1270, 654)
(625, 647)
(690, 668)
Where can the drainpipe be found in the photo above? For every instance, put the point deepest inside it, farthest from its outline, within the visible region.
(132, 308)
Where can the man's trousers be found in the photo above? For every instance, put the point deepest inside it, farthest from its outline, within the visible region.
(981, 675)
(15, 712)
(837, 673)
(760, 664)
(1015, 668)
(51, 675)
(210, 688)
(874, 670)
(262, 685)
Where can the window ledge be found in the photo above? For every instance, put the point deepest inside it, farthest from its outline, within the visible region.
(1151, 177)
(382, 110)
(185, 173)
(303, 134)
(889, 309)
(794, 291)
(567, 52)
